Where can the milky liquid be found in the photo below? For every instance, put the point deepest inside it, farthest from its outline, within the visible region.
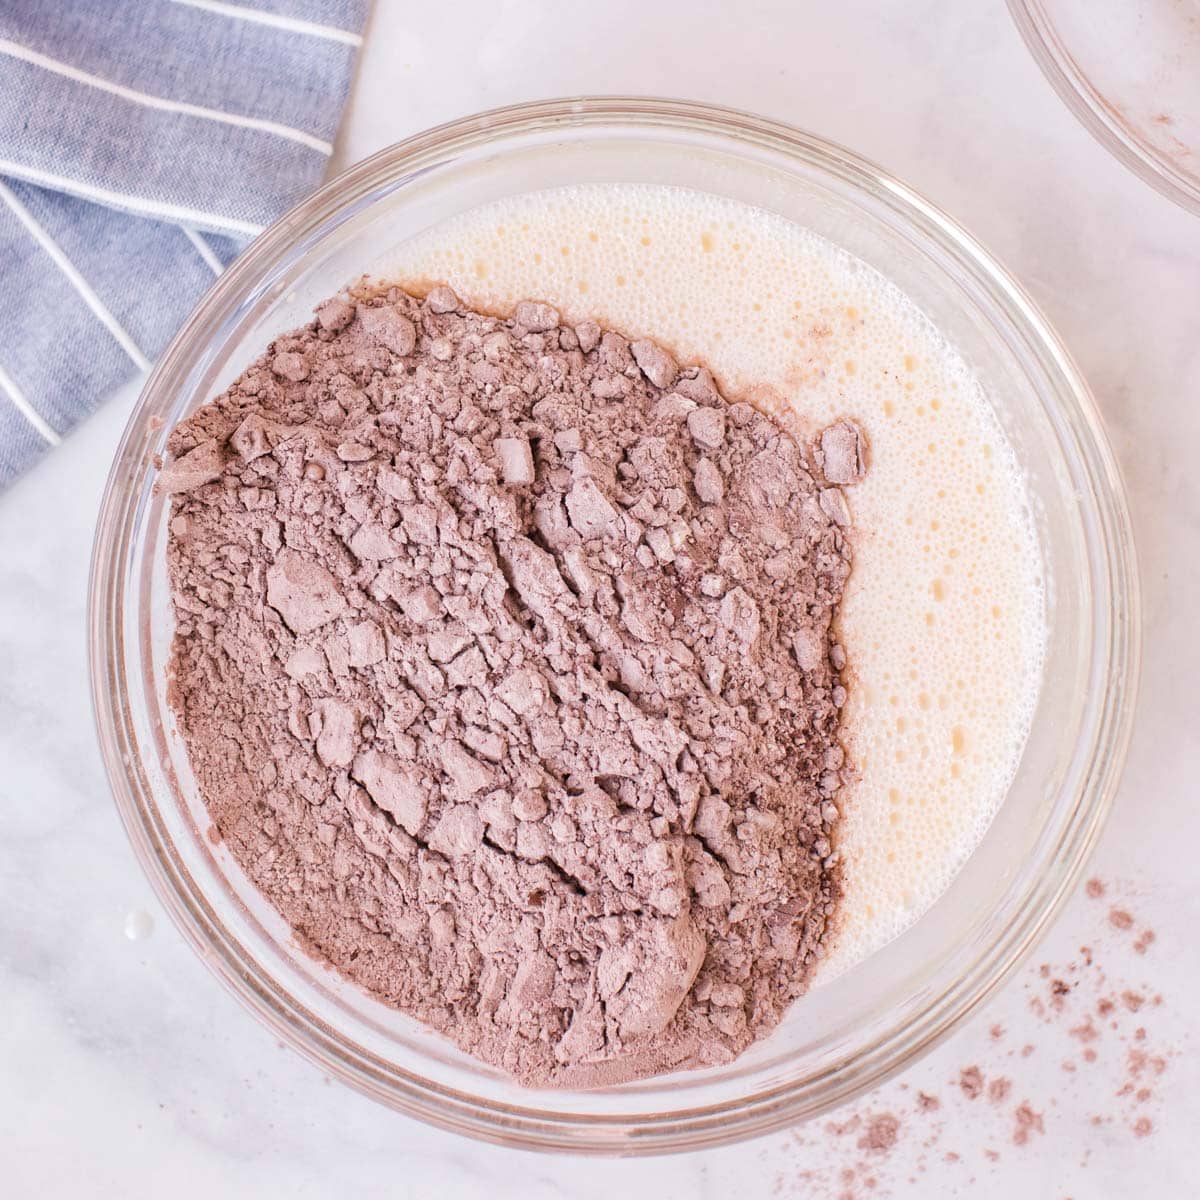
(943, 616)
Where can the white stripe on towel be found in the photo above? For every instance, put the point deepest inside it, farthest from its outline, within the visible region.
(275, 20)
(151, 208)
(81, 285)
(9, 388)
(13, 50)
(203, 249)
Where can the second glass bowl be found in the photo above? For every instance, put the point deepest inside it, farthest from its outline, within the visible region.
(1130, 71)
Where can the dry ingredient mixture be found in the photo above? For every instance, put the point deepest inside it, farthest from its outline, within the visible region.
(505, 667)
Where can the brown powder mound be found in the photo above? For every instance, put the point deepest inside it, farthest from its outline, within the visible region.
(504, 664)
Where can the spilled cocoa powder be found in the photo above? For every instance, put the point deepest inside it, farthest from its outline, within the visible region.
(1093, 1077)
(504, 664)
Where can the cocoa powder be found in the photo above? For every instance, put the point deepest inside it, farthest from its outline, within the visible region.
(1105, 1040)
(504, 663)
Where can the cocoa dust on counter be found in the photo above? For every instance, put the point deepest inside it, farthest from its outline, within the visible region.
(505, 668)
(1088, 1021)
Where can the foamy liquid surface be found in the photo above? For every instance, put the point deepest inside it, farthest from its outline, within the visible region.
(943, 617)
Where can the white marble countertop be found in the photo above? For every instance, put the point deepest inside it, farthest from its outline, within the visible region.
(125, 1070)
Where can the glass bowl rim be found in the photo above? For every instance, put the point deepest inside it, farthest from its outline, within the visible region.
(684, 1128)
(1093, 112)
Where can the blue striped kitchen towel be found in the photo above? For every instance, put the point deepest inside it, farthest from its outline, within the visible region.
(143, 143)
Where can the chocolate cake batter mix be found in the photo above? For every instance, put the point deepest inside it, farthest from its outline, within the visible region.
(505, 667)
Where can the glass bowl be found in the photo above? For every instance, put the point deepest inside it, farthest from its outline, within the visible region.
(845, 1036)
(1130, 71)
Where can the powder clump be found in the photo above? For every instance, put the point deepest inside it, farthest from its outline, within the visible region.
(505, 666)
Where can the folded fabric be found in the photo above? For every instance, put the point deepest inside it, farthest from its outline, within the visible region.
(141, 147)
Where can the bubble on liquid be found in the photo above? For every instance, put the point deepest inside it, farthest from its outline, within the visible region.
(941, 518)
